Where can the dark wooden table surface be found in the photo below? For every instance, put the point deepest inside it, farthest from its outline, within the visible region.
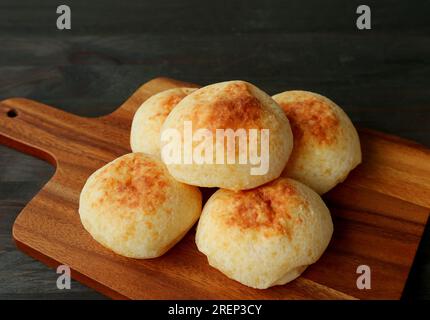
(381, 77)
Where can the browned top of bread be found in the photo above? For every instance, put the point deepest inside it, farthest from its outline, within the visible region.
(265, 236)
(232, 105)
(235, 108)
(267, 208)
(167, 104)
(134, 207)
(134, 181)
(311, 117)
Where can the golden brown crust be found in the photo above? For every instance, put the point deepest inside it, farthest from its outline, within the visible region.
(266, 236)
(267, 208)
(168, 104)
(134, 207)
(311, 117)
(133, 182)
(233, 108)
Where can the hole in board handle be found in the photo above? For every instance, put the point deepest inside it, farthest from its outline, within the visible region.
(12, 113)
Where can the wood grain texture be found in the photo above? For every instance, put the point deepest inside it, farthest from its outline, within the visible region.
(379, 214)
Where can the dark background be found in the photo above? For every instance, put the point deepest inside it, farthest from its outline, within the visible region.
(381, 77)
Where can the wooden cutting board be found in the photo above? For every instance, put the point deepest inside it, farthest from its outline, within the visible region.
(379, 213)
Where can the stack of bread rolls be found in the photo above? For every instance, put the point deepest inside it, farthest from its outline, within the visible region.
(261, 229)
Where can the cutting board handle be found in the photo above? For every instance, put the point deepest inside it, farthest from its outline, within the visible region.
(54, 135)
(34, 128)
